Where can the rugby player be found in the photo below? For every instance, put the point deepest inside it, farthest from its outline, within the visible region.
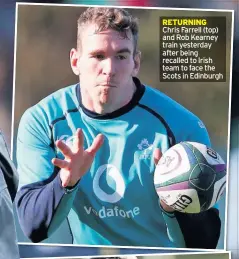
(88, 151)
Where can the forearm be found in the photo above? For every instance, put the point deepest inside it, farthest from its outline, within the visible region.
(42, 207)
(173, 228)
(201, 230)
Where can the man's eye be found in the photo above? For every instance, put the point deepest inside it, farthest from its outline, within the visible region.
(121, 57)
(99, 56)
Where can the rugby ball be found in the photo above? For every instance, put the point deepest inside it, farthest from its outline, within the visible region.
(190, 177)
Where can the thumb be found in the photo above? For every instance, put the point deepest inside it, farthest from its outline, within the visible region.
(157, 155)
(65, 177)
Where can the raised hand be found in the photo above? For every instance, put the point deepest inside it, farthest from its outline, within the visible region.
(157, 156)
(77, 160)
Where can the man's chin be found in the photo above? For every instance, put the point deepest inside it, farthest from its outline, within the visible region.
(106, 105)
(105, 100)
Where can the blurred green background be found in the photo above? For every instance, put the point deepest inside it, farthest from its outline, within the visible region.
(45, 35)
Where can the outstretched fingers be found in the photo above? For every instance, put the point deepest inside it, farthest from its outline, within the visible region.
(157, 155)
(66, 151)
(77, 161)
(97, 143)
(63, 164)
(78, 142)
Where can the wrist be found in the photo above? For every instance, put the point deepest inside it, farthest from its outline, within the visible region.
(69, 189)
(166, 207)
(66, 182)
(72, 184)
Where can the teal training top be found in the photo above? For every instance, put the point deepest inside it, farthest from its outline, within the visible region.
(115, 203)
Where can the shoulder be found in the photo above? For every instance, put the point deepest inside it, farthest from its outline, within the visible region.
(56, 104)
(163, 104)
(182, 122)
(39, 117)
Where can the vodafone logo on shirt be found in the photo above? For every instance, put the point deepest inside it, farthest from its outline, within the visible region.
(113, 172)
(109, 170)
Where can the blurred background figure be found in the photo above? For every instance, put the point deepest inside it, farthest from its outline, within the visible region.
(8, 174)
(8, 189)
(7, 18)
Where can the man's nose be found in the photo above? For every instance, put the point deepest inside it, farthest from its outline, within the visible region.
(108, 67)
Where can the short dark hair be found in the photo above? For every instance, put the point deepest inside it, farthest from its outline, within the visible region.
(105, 18)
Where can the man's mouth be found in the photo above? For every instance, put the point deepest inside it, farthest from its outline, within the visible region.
(108, 85)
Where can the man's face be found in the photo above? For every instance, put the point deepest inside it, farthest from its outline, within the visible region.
(105, 64)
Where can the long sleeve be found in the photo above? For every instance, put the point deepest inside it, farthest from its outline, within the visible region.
(42, 203)
(201, 230)
(42, 207)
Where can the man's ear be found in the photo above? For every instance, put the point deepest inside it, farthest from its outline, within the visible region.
(137, 59)
(74, 58)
